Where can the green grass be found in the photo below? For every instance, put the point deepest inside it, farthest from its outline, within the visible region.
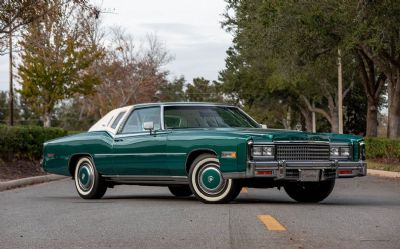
(395, 167)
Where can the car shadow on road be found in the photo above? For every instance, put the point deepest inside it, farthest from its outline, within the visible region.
(337, 201)
(372, 201)
(149, 197)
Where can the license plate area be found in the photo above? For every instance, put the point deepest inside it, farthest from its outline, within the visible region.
(309, 175)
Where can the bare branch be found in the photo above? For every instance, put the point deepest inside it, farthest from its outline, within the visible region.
(314, 109)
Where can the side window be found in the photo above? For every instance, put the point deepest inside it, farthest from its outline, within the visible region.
(138, 117)
(117, 119)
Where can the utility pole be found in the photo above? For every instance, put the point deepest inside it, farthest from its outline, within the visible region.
(314, 121)
(340, 92)
(11, 88)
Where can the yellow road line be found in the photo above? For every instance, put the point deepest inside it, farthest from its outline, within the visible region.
(271, 223)
(244, 190)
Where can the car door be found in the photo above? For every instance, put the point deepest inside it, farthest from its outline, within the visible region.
(139, 152)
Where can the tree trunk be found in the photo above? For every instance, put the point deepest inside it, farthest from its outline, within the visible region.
(307, 115)
(335, 123)
(373, 82)
(339, 99)
(288, 120)
(46, 119)
(372, 118)
(394, 106)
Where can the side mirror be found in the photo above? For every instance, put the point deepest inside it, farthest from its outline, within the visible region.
(264, 126)
(148, 126)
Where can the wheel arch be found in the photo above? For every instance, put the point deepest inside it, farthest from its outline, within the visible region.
(74, 159)
(194, 154)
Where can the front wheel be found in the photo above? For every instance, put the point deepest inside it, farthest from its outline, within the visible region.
(88, 182)
(309, 191)
(207, 183)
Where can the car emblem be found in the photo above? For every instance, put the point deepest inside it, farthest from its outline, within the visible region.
(210, 178)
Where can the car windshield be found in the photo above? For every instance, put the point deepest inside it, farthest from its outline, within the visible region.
(180, 117)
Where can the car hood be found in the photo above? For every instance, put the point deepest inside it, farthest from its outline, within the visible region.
(274, 135)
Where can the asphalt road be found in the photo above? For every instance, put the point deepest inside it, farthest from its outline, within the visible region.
(360, 213)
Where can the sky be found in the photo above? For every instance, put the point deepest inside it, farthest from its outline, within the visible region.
(190, 30)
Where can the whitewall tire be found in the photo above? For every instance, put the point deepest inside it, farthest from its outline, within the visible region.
(88, 182)
(207, 183)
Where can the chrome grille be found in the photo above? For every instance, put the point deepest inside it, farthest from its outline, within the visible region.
(302, 152)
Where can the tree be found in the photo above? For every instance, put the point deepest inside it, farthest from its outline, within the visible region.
(373, 83)
(202, 90)
(298, 41)
(285, 46)
(355, 105)
(172, 91)
(130, 73)
(15, 14)
(56, 58)
(3, 107)
(375, 34)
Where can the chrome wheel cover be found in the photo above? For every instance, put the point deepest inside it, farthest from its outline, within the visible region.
(210, 179)
(85, 176)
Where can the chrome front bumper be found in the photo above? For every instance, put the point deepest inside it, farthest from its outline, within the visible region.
(290, 170)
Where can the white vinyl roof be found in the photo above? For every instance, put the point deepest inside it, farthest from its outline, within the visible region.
(104, 124)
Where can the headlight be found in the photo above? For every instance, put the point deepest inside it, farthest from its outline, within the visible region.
(335, 151)
(263, 150)
(340, 151)
(257, 151)
(268, 151)
(345, 151)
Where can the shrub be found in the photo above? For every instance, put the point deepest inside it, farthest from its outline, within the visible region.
(382, 148)
(25, 142)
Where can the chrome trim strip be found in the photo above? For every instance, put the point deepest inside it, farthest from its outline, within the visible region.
(139, 133)
(341, 144)
(296, 142)
(263, 143)
(234, 175)
(162, 117)
(144, 179)
(140, 154)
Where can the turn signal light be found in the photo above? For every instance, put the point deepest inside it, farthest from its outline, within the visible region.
(263, 172)
(345, 172)
(228, 154)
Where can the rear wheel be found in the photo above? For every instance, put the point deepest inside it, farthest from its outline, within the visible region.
(180, 191)
(88, 182)
(207, 183)
(309, 191)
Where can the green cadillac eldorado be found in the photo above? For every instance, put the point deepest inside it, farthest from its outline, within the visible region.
(209, 150)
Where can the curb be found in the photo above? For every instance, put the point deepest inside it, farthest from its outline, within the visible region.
(383, 173)
(29, 181)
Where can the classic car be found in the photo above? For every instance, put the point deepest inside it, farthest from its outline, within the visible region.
(209, 150)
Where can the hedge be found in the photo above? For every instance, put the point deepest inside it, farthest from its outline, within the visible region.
(25, 142)
(382, 148)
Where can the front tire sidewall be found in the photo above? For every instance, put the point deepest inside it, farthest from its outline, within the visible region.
(97, 188)
(220, 197)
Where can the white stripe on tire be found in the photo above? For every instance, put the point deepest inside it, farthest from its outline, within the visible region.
(198, 192)
(84, 159)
